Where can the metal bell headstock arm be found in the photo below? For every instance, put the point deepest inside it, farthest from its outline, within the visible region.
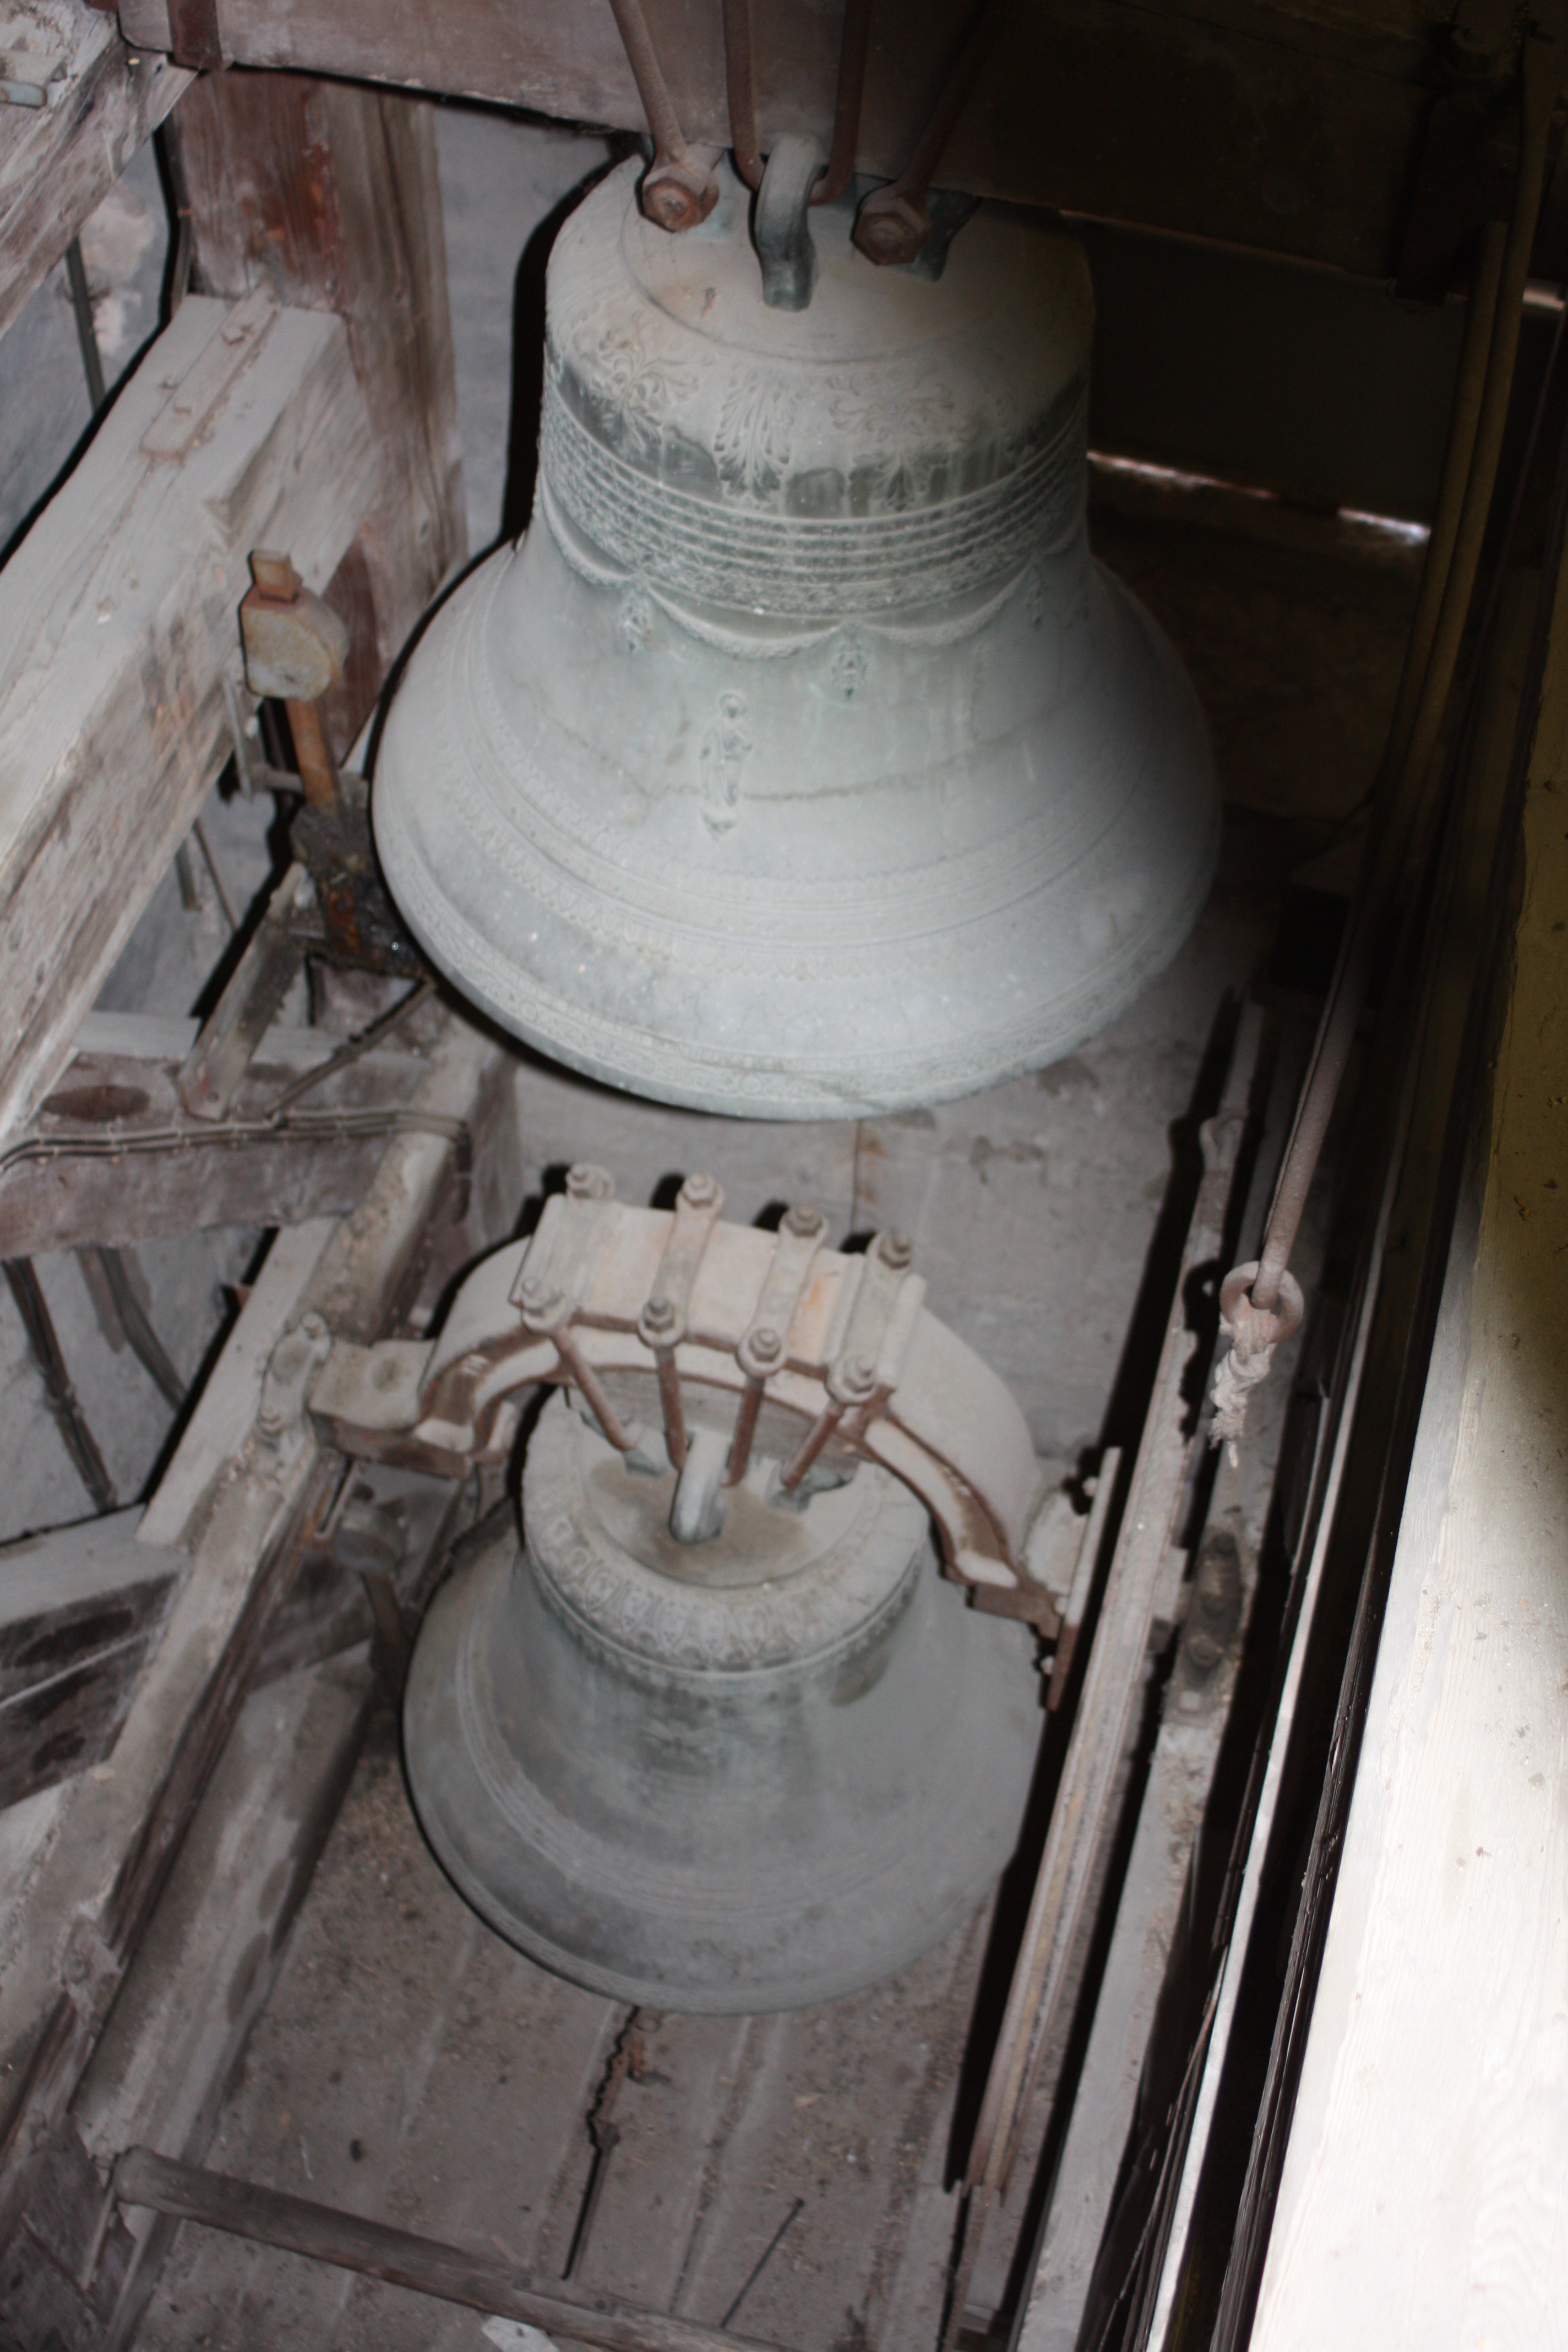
(664, 1317)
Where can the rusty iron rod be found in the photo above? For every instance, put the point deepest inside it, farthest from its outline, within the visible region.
(811, 1443)
(740, 82)
(745, 1429)
(852, 49)
(60, 1396)
(676, 1445)
(1475, 447)
(914, 180)
(649, 76)
(426, 2265)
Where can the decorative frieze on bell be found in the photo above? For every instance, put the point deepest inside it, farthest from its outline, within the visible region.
(800, 762)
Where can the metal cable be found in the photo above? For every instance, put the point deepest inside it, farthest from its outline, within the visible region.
(1475, 446)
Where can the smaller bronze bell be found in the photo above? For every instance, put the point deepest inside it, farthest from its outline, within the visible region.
(737, 1775)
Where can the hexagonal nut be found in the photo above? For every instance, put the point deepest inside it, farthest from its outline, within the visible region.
(701, 1192)
(587, 1182)
(804, 1221)
(677, 194)
(657, 1319)
(766, 1345)
(537, 1297)
(895, 1250)
(857, 1378)
(888, 229)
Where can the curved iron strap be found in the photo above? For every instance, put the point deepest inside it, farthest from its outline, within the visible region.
(741, 77)
(816, 1358)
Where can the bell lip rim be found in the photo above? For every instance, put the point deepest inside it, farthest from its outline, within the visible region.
(440, 1833)
(691, 1073)
(814, 1099)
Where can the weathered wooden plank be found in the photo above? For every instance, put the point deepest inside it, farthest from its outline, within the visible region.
(80, 1609)
(119, 1096)
(117, 624)
(1437, 2023)
(329, 196)
(243, 1502)
(1276, 127)
(59, 161)
(221, 1932)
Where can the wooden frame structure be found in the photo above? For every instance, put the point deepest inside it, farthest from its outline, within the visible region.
(302, 395)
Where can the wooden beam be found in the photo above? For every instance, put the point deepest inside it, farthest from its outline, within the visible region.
(220, 1936)
(84, 1175)
(1295, 130)
(117, 625)
(1436, 2019)
(58, 161)
(327, 196)
(80, 1880)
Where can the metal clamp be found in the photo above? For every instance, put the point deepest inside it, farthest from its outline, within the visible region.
(285, 1384)
(661, 1325)
(861, 1370)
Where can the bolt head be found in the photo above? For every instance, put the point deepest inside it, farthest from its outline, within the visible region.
(587, 1183)
(678, 195)
(701, 1192)
(860, 1375)
(766, 1344)
(538, 1296)
(895, 1250)
(804, 1222)
(274, 574)
(889, 230)
(658, 1315)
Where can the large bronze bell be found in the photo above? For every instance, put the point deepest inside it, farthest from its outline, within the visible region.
(800, 762)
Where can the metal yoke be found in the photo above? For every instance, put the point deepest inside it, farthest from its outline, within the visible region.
(654, 1317)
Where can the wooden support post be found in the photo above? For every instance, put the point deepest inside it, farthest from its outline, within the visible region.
(327, 195)
(80, 1878)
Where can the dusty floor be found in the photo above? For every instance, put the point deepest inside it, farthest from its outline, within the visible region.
(412, 2065)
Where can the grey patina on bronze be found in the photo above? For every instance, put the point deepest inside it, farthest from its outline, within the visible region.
(799, 762)
(730, 1777)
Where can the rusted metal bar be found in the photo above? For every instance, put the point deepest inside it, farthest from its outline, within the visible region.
(426, 2265)
(64, 1403)
(745, 1429)
(739, 71)
(678, 189)
(852, 49)
(740, 82)
(811, 1443)
(138, 1328)
(892, 225)
(1453, 560)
